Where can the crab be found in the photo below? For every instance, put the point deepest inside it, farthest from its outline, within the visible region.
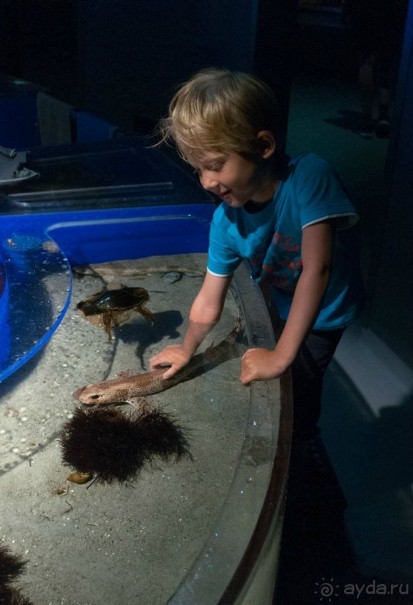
(114, 307)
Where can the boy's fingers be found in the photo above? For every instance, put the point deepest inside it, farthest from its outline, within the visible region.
(161, 364)
(246, 378)
(168, 373)
(157, 362)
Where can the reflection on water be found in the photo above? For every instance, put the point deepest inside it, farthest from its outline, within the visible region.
(115, 543)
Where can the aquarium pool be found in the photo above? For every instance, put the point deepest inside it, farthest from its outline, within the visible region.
(204, 530)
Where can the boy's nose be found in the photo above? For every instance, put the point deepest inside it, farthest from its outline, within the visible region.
(208, 181)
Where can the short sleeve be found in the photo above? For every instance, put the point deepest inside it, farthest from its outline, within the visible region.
(222, 256)
(321, 195)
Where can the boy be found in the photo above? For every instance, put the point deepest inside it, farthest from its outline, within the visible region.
(285, 216)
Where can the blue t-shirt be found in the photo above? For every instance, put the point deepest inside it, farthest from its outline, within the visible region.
(271, 239)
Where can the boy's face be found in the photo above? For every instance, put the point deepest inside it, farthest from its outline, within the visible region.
(234, 178)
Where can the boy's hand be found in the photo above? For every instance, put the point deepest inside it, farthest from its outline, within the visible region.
(173, 356)
(261, 364)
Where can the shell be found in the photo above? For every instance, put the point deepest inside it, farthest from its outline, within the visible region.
(109, 308)
(80, 478)
(120, 299)
(171, 277)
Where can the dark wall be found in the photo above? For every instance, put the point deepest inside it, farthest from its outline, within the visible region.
(134, 53)
(122, 60)
(390, 313)
(275, 48)
(38, 42)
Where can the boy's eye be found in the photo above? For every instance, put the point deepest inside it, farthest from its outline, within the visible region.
(213, 168)
(216, 167)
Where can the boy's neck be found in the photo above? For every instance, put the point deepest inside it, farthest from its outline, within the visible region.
(267, 192)
(252, 207)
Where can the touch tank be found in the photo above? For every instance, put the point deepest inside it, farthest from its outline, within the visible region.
(204, 529)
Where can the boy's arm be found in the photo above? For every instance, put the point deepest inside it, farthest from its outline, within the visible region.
(205, 313)
(317, 250)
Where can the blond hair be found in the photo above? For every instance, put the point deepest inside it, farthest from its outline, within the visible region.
(220, 110)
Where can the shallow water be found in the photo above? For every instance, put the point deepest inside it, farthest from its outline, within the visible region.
(117, 543)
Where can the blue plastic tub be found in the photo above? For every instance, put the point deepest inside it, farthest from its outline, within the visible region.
(38, 249)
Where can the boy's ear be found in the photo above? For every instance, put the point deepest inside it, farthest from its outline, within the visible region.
(266, 142)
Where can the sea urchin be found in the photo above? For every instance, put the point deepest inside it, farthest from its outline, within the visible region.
(115, 445)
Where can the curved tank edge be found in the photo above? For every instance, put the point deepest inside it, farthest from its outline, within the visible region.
(225, 572)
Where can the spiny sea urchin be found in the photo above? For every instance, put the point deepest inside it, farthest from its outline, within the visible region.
(115, 445)
(11, 566)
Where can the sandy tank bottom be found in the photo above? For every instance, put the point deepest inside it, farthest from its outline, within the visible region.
(116, 543)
